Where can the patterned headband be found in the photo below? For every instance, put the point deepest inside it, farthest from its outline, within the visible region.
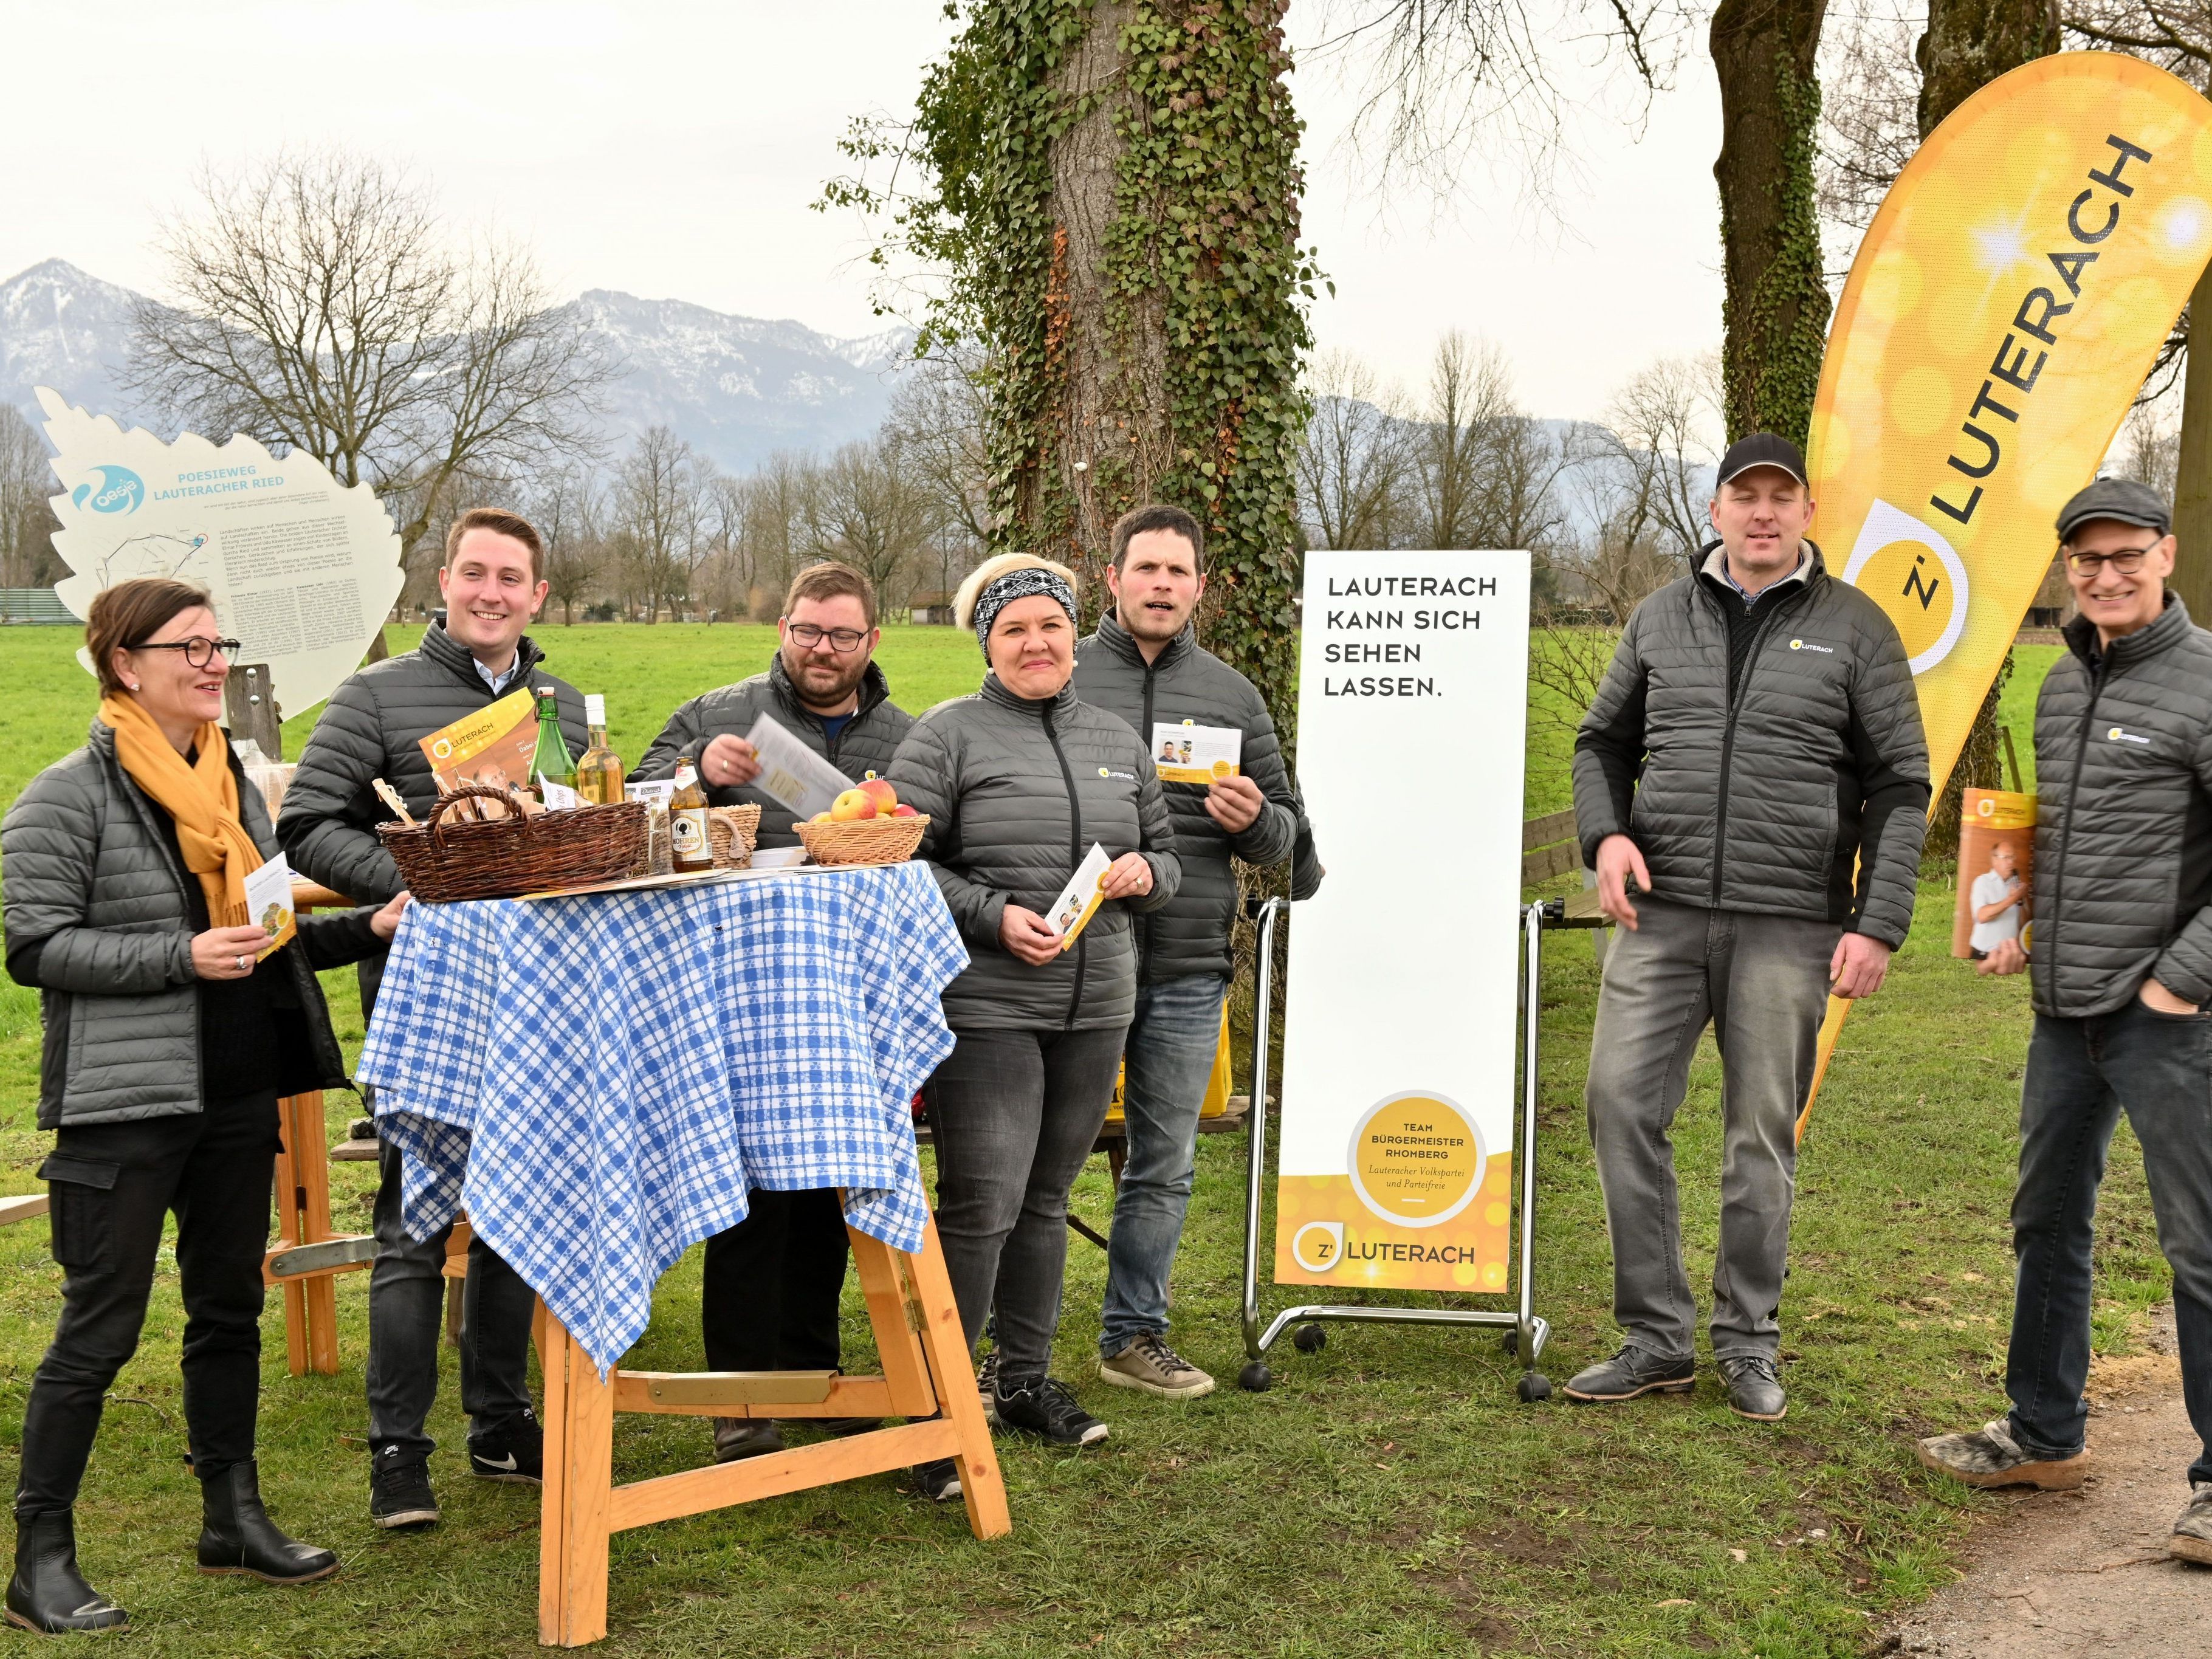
(1019, 585)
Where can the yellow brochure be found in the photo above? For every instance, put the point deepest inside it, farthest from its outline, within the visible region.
(269, 901)
(494, 746)
(1072, 910)
(1191, 753)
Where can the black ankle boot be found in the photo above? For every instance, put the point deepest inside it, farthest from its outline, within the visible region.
(239, 1537)
(48, 1594)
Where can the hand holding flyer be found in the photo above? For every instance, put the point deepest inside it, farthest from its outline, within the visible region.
(791, 773)
(1079, 901)
(1190, 753)
(269, 901)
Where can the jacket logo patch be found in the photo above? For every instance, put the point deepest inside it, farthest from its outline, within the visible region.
(1126, 777)
(1807, 645)
(2121, 734)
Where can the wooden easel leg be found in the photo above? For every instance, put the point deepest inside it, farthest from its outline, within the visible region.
(950, 1364)
(572, 1542)
(288, 1231)
(311, 1174)
(898, 1346)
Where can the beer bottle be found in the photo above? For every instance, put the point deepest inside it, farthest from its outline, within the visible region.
(599, 769)
(550, 761)
(689, 848)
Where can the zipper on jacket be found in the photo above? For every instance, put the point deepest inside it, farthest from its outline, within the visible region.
(1144, 930)
(1728, 735)
(2066, 835)
(1075, 861)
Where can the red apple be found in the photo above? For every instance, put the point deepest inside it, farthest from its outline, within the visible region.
(903, 810)
(879, 790)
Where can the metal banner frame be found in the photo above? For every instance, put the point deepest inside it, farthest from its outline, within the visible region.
(1526, 1330)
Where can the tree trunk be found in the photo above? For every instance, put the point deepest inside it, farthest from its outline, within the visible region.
(1968, 44)
(2192, 488)
(1775, 313)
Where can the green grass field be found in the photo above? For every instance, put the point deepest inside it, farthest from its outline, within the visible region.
(1388, 1497)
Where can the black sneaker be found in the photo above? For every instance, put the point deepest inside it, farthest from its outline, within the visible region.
(1754, 1390)
(940, 1481)
(399, 1495)
(514, 1452)
(1042, 1406)
(1631, 1372)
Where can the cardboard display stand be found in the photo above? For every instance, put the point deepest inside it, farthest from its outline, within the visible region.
(926, 1376)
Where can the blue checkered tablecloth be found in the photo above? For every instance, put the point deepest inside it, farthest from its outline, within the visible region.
(599, 1080)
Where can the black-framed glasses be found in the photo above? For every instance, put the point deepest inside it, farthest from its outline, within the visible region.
(198, 652)
(2126, 561)
(841, 639)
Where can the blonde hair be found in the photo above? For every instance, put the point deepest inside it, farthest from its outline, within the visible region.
(963, 602)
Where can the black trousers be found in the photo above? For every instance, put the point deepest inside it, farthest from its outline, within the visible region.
(111, 1185)
(1016, 1115)
(769, 1302)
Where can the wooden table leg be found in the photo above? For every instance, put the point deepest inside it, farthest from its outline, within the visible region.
(950, 1360)
(572, 1543)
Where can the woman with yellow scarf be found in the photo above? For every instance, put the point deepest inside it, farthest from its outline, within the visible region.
(169, 1037)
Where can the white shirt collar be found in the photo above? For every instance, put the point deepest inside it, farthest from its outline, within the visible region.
(498, 682)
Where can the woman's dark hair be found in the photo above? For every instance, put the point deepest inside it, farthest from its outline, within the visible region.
(124, 617)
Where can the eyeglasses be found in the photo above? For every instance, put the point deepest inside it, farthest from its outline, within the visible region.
(2126, 561)
(841, 640)
(198, 652)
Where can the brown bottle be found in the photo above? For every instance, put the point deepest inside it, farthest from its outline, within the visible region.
(689, 848)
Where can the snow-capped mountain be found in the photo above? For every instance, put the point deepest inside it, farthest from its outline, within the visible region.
(737, 388)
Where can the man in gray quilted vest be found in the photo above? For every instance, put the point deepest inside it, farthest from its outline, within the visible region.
(1754, 763)
(2120, 973)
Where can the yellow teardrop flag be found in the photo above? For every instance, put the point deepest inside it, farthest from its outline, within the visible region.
(2000, 318)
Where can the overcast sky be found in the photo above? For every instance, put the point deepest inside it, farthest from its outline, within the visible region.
(673, 150)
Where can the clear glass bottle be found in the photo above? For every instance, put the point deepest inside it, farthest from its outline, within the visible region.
(598, 770)
(689, 847)
(551, 760)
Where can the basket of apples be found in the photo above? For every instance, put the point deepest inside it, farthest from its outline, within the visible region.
(867, 824)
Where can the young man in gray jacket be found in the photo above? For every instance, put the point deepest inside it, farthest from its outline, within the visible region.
(1756, 739)
(1145, 665)
(2121, 973)
(769, 1294)
(493, 584)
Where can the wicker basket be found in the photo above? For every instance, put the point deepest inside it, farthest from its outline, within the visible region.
(443, 862)
(862, 841)
(732, 832)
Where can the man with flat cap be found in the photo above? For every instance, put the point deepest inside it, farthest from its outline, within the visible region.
(2120, 973)
(1754, 763)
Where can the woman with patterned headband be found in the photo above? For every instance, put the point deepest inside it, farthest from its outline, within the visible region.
(1020, 781)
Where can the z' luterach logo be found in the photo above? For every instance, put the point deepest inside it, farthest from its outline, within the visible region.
(2121, 734)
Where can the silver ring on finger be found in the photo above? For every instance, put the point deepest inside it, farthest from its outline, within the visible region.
(240, 961)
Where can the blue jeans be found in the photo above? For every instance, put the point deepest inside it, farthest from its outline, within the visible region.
(2081, 1073)
(1169, 1056)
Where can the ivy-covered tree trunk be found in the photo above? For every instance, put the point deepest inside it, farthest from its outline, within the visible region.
(1968, 44)
(2193, 488)
(1117, 203)
(1775, 309)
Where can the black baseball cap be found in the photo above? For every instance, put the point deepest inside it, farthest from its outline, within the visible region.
(1762, 449)
(2115, 498)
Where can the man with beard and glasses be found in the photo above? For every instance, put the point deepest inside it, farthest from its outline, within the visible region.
(773, 1282)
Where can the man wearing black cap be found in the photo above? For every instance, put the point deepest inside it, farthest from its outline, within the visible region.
(2120, 973)
(1754, 762)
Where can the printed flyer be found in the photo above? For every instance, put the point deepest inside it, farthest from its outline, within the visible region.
(1996, 872)
(1399, 1049)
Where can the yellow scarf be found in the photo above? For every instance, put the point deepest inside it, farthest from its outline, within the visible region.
(202, 797)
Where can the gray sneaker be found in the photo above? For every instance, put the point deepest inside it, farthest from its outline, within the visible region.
(1631, 1372)
(1989, 1456)
(987, 1386)
(737, 1437)
(1150, 1364)
(1754, 1391)
(2192, 1529)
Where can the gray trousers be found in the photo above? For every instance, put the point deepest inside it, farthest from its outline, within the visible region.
(1762, 982)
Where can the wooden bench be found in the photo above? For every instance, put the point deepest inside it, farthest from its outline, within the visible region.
(1549, 848)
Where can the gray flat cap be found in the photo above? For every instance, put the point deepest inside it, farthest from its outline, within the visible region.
(2123, 499)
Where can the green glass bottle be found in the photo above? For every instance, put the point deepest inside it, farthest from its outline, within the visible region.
(552, 760)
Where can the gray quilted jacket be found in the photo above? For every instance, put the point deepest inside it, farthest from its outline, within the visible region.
(2123, 818)
(94, 892)
(1190, 934)
(1762, 796)
(1016, 790)
(865, 744)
